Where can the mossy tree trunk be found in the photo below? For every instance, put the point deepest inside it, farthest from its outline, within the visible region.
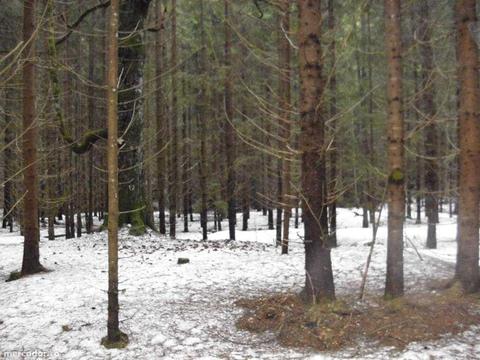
(130, 117)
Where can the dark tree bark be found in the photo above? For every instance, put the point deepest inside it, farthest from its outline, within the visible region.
(173, 125)
(319, 275)
(31, 249)
(333, 113)
(130, 117)
(91, 123)
(418, 161)
(285, 121)
(431, 132)
(229, 130)
(8, 156)
(68, 189)
(466, 271)
(278, 218)
(161, 118)
(396, 161)
(185, 161)
(203, 126)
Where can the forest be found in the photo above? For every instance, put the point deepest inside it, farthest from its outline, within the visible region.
(239, 179)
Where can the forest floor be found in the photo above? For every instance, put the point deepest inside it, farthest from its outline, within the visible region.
(188, 311)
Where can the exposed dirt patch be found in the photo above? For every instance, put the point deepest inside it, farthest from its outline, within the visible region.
(333, 326)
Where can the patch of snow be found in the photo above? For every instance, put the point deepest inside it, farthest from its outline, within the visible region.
(188, 312)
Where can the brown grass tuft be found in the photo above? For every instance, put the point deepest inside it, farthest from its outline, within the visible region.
(339, 324)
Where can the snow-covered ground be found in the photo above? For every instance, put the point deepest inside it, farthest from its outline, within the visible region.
(187, 311)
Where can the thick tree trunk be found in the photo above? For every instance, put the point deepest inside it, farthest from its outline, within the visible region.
(469, 134)
(396, 179)
(319, 275)
(130, 116)
(31, 249)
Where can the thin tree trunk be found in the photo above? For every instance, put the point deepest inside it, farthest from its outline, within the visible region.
(333, 114)
(431, 132)
(418, 160)
(114, 336)
(203, 126)
(185, 161)
(173, 125)
(161, 118)
(229, 130)
(285, 106)
(8, 156)
(91, 124)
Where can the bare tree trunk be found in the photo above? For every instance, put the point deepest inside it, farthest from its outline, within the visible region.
(161, 118)
(115, 338)
(8, 156)
(229, 130)
(31, 252)
(185, 160)
(91, 124)
(203, 126)
(173, 126)
(333, 114)
(285, 106)
(466, 271)
(418, 160)
(431, 132)
(319, 275)
(396, 179)
(278, 219)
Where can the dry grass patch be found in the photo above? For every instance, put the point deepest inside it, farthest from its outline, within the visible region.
(332, 326)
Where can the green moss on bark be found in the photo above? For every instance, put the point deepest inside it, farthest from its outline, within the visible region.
(396, 176)
(137, 223)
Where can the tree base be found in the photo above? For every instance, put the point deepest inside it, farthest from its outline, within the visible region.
(120, 341)
(16, 275)
(310, 299)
